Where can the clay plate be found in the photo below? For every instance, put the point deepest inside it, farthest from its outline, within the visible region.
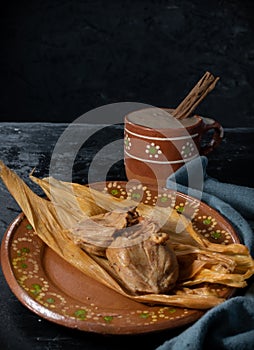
(56, 291)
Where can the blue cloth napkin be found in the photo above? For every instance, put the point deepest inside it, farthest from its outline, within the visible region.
(230, 325)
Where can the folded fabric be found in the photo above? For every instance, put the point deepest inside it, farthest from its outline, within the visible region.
(235, 203)
(230, 325)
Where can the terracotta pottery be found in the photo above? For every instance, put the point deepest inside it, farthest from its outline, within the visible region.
(154, 149)
(55, 290)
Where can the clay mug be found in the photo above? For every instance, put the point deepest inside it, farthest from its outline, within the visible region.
(157, 144)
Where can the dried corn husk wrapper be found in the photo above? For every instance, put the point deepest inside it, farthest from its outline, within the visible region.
(67, 204)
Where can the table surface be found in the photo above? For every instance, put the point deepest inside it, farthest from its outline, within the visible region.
(25, 146)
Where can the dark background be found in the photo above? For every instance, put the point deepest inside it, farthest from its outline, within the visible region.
(60, 59)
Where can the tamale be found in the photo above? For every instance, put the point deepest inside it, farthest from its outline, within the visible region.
(69, 204)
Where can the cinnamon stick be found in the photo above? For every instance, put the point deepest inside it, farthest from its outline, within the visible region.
(195, 96)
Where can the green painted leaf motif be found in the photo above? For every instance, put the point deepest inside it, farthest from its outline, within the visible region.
(164, 199)
(114, 192)
(29, 227)
(108, 319)
(80, 314)
(144, 315)
(215, 235)
(36, 289)
(50, 300)
(152, 150)
(25, 250)
(187, 150)
(172, 311)
(180, 210)
(207, 221)
(135, 195)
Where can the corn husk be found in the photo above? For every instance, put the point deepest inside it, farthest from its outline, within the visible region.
(67, 204)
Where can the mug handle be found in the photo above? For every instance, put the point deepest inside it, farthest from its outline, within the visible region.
(211, 124)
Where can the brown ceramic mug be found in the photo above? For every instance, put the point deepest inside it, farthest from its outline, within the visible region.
(157, 144)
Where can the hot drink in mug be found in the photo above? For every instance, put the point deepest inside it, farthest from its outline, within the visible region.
(156, 144)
